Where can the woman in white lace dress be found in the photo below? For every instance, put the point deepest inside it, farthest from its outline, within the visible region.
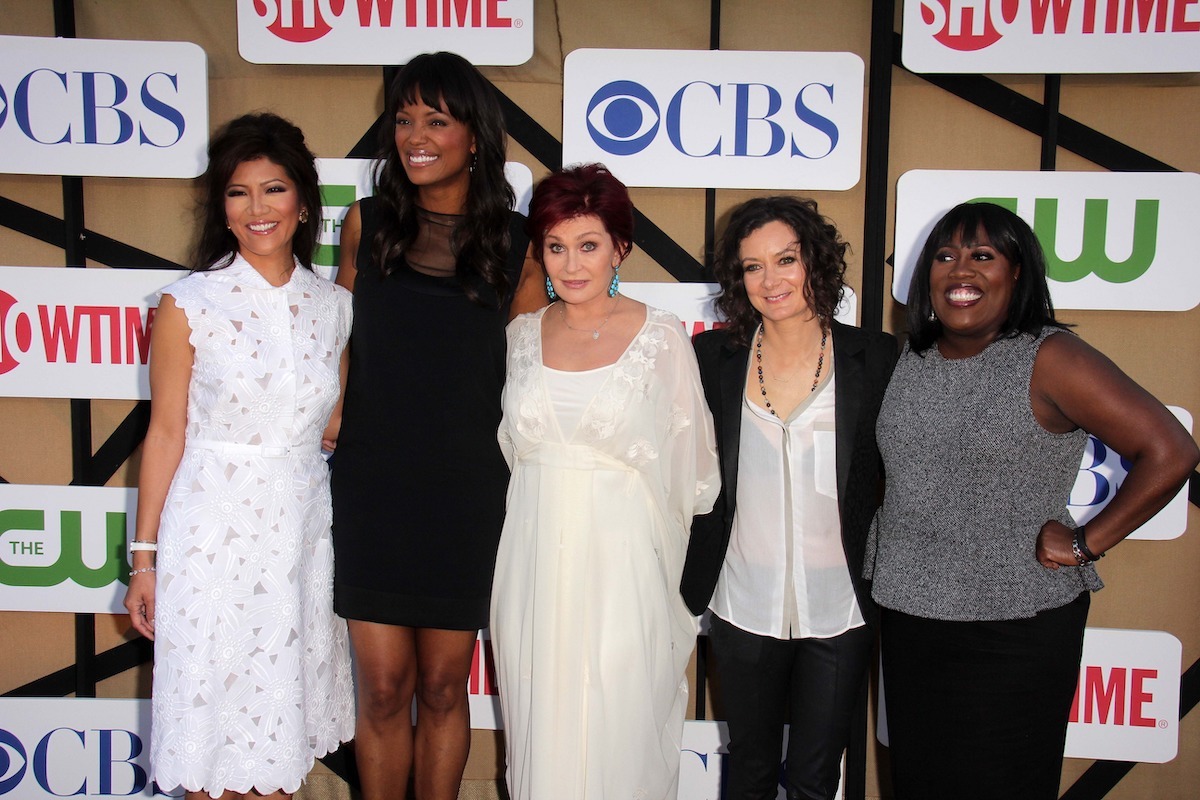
(251, 667)
(612, 453)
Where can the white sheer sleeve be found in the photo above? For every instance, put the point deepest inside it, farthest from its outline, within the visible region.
(691, 468)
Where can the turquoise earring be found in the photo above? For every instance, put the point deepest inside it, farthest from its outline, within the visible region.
(616, 281)
(550, 290)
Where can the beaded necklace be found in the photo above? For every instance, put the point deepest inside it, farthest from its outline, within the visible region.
(762, 387)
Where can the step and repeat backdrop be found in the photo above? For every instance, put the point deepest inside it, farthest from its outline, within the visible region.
(129, 103)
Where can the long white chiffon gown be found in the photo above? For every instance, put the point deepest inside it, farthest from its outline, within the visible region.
(590, 633)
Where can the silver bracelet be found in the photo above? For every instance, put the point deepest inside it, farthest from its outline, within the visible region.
(1080, 558)
(133, 572)
(141, 544)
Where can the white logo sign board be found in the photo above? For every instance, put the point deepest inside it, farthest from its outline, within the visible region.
(77, 332)
(1115, 241)
(102, 107)
(1040, 36)
(382, 31)
(1127, 704)
(716, 118)
(63, 747)
(62, 548)
(1101, 474)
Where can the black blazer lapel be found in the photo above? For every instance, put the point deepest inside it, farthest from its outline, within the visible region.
(849, 365)
(733, 385)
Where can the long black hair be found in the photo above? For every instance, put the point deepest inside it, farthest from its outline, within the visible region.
(1030, 309)
(821, 249)
(248, 138)
(481, 241)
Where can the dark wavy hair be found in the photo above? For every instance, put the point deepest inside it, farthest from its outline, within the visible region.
(577, 191)
(248, 138)
(821, 248)
(481, 241)
(1030, 309)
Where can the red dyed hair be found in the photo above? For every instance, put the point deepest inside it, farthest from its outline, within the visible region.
(581, 190)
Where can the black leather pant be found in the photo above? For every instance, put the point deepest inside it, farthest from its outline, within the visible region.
(761, 683)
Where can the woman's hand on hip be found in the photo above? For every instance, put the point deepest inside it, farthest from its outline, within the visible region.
(1054, 546)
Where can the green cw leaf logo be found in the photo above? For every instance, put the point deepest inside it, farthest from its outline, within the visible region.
(1093, 256)
(70, 557)
(339, 197)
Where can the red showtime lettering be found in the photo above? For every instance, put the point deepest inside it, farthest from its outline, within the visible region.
(1104, 702)
(1134, 16)
(128, 333)
(444, 13)
(482, 679)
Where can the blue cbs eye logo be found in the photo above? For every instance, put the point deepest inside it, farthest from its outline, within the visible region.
(623, 118)
(10, 746)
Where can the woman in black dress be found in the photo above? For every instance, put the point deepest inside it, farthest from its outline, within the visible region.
(433, 260)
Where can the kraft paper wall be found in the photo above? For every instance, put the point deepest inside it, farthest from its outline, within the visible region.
(1151, 585)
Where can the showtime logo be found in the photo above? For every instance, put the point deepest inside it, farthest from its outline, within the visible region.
(115, 334)
(1126, 706)
(77, 332)
(976, 24)
(383, 31)
(309, 20)
(483, 696)
(1052, 35)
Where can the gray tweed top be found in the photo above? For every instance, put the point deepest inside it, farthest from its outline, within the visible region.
(971, 479)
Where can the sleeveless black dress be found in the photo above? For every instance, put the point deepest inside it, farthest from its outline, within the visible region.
(419, 479)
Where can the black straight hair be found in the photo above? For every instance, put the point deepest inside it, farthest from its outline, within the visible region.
(1030, 309)
(481, 241)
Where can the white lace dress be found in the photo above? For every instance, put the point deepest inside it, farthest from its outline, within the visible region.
(251, 667)
(590, 633)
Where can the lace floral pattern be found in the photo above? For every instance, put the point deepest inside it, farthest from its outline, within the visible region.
(252, 671)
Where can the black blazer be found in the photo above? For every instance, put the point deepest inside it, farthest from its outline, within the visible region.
(863, 363)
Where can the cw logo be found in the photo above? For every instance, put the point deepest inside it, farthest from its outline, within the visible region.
(338, 197)
(1093, 256)
(70, 565)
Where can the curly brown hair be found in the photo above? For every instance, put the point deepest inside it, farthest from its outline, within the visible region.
(821, 249)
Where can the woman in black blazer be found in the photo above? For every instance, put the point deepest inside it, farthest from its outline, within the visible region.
(794, 395)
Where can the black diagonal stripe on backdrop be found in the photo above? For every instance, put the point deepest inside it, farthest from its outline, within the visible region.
(108, 664)
(1029, 114)
(119, 446)
(31, 222)
(49, 229)
(1194, 488)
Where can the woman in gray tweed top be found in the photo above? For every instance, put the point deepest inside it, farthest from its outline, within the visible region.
(982, 578)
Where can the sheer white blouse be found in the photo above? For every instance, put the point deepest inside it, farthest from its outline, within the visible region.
(785, 572)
